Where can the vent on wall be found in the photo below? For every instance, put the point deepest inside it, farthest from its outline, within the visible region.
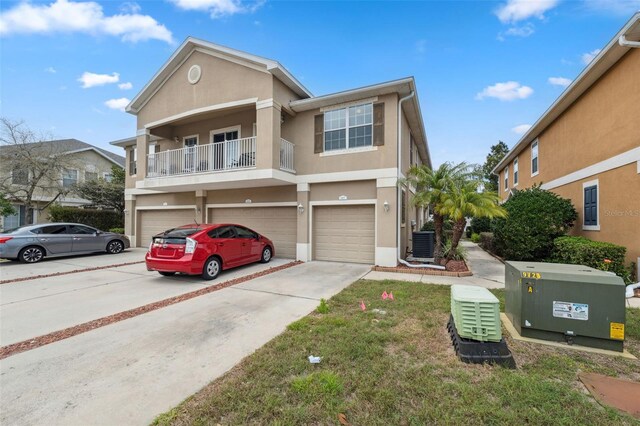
(194, 74)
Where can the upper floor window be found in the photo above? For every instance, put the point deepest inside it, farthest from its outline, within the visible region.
(69, 178)
(20, 176)
(347, 128)
(515, 171)
(107, 177)
(534, 158)
(133, 157)
(411, 148)
(506, 178)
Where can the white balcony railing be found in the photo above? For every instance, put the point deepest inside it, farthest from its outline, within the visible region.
(212, 157)
(286, 156)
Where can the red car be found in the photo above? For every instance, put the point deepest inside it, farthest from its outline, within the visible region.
(206, 249)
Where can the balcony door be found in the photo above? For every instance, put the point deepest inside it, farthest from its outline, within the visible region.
(190, 149)
(225, 149)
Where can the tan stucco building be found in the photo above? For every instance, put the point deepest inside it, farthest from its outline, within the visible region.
(226, 136)
(586, 146)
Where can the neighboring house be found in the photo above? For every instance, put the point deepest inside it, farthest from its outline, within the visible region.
(586, 146)
(226, 136)
(82, 162)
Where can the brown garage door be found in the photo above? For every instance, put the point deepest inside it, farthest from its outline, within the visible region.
(279, 224)
(344, 233)
(153, 222)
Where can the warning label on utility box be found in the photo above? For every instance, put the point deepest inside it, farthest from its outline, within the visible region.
(616, 331)
(577, 311)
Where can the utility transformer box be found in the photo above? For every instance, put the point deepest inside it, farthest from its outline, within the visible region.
(571, 303)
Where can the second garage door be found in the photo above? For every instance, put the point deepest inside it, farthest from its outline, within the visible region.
(279, 224)
(153, 222)
(344, 233)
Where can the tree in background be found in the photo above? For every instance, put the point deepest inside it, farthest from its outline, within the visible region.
(105, 194)
(496, 154)
(34, 166)
(6, 209)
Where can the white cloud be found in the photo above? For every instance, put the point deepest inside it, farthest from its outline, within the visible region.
(130, 7)
(119, 103)
(518, 10)
(50, 70)
(589, 56)
(125, 86)
(64, 16)
(515, 31)
(89, 79)
(507, 91)
(559, 81)
(521, 129)
(219, 8)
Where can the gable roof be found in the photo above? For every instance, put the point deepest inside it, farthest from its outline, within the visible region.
(191, 43)
(70, 146)
(606, 59)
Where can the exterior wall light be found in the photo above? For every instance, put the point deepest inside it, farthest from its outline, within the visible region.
(300, 208)
(386, 206)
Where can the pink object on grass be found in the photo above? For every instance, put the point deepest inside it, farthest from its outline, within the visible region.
(363, 306)
(390, 296)
(384, 295)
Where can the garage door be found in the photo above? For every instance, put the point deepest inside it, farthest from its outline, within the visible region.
(153, 222)
(279, 224)
(344, 233)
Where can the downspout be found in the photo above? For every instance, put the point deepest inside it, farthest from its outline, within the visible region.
(399, 155)
(622, 41)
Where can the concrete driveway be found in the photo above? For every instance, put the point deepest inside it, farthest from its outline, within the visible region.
(130, 371)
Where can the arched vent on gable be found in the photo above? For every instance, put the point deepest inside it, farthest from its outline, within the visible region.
(194, 74)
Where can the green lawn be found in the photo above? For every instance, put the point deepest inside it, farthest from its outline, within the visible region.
(400, 368)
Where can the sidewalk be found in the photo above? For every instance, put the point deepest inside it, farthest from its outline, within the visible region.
(488, 272)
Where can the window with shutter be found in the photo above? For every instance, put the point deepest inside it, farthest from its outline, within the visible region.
(591, 205)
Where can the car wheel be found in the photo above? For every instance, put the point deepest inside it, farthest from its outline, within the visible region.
(211, 269)
(166, 274)
(266, 255)
(31, 254)
(115, 247)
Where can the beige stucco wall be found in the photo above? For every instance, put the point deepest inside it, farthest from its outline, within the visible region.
(357, 190)
(256, 195)
(171, 198)
(222, 81)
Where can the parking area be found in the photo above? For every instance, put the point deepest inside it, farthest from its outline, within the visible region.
(129, 371)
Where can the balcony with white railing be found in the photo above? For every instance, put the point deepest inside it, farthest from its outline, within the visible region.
(287, 156)
(213, 157)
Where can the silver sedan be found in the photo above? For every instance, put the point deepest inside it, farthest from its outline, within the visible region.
(33, 243)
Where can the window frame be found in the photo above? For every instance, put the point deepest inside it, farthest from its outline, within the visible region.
(535, 144)
(516, 173)
(13, 177)
(76, 180)
(347, 127)
(133, 161)
(588, 185)
(506, 179)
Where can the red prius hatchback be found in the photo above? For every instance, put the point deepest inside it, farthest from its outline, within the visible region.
(206, 249)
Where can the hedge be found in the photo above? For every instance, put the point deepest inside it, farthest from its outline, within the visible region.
(117, 230)
(481, 224)
(101, 219)
(596, 254)
(487, 241)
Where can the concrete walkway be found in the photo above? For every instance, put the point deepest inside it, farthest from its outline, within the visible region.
(128, 372)
(488, 272)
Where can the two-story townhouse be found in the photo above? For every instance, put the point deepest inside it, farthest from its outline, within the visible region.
(586, 146)
(79, 162)
(226, 136)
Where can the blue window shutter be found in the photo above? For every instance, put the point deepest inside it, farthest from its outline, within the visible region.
(591, 206)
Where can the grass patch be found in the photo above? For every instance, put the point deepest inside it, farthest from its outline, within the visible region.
(400, 368)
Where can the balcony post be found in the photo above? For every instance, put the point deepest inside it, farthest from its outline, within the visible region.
(268, 134)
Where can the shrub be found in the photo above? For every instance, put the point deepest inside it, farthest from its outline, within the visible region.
(535, 218)
(117, 230)
(475, 237)
(596, 254)
(486, 241)
(101, 219)
(481, 224)
(460, 252)
(468, 231)
(323, 307)
(428, 226)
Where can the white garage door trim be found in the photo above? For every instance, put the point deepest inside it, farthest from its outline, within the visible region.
(313, 204)
(142, 209)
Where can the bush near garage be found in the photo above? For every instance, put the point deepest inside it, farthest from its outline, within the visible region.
(475, 238)
(596, 254)
(117, 230)
(486, 241)
(536, 217)
(481, 224)
(101, 219)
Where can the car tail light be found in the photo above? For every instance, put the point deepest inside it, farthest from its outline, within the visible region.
(150, 246)
(191, 246)
(5, 239)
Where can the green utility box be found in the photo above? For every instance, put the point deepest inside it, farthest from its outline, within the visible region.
(571, 303)
(476, 313)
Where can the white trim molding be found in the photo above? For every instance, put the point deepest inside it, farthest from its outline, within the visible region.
(595, 183)
(348, 151)
(386, 182)
(386, 256)
(143, 132)
(535, 142)
(235, 205)
(601, 167)
(268, 103)
(303, 187)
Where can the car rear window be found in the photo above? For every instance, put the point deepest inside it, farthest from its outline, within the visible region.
(175, 236)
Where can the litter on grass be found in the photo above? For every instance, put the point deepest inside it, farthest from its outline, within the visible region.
(379, 311)
(384, 295)
(314, 359)
(363, 306)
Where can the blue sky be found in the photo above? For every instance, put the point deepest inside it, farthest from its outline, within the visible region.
(482, 68)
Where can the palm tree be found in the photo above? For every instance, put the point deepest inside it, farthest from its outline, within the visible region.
(463, 200)
(431, 189)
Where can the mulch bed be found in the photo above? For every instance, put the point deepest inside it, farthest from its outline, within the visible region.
(56, 336)
(75, 271)
(455, 268)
